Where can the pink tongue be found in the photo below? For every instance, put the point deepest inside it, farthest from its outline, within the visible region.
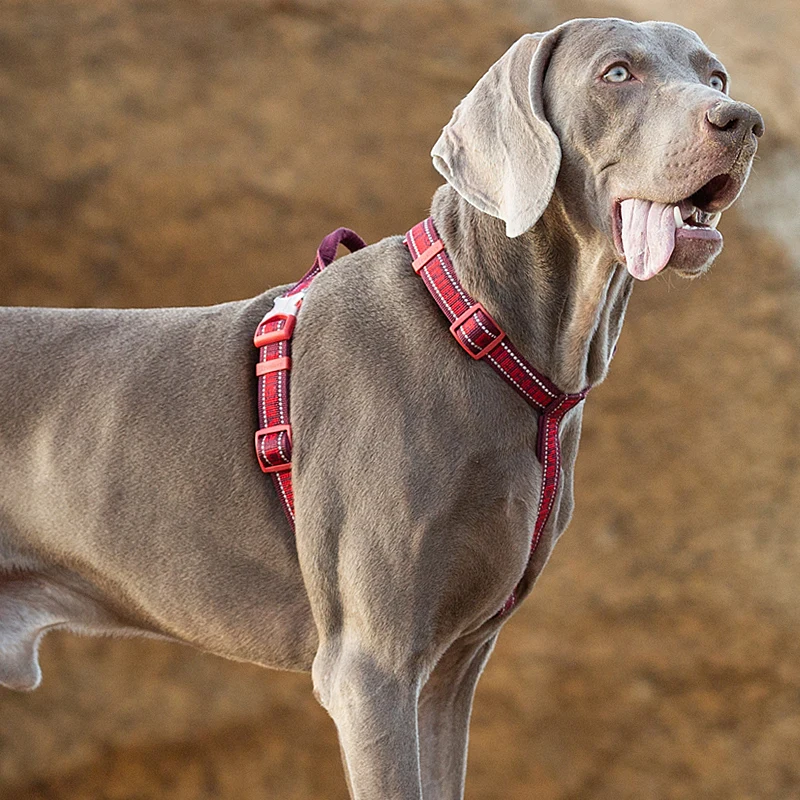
(648, 236)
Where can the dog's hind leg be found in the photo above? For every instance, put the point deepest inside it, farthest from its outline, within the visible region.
(444, 711)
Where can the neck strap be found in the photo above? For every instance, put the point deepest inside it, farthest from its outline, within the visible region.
(483, 339)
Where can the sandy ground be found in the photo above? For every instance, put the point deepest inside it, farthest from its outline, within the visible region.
(159, 153)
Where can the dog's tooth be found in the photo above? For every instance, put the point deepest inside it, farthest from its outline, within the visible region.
(678, 218)
(714, 220)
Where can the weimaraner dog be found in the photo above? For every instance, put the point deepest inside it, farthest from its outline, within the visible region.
(131, 501)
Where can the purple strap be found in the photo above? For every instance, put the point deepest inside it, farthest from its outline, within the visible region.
(326, 252)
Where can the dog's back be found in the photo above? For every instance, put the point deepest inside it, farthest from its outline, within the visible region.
(122, 431)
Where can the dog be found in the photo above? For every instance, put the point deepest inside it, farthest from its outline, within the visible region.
(590, 156)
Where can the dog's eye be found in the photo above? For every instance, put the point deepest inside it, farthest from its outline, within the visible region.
(617, 74)
(717, 82)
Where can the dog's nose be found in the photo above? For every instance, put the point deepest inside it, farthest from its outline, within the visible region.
(736, 119)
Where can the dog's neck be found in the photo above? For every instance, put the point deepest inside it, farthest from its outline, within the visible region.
(558, 292)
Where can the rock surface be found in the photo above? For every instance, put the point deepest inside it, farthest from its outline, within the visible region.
(159, 153)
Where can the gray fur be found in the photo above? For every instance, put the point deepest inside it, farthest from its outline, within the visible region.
(130, 497)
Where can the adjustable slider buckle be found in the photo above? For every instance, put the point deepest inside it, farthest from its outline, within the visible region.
(470, 312)
(285, 308)
(427, 255)
(273, 365)
(275, 430)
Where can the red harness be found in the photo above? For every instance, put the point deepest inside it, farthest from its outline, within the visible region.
(471, 325)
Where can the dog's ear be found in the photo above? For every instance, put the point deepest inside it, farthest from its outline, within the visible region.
(498, 151)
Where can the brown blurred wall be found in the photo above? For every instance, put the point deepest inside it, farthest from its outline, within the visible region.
(177, 152)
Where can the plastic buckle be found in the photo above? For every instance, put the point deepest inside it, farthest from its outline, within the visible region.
(260, 434)
(471, 311)
(427, 255)
(273, 365)
(284, 308)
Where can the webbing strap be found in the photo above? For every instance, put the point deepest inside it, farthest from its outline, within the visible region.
(482, 338)
(273, 337)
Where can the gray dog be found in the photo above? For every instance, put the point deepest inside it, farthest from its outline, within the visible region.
(130, 498)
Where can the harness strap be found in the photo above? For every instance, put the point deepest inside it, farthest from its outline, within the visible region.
(273, 338)
(473, 328)
(482, 338)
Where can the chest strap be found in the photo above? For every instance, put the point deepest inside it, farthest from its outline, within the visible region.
(471, 325)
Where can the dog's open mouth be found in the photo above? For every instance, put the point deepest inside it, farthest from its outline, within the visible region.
(647, 233)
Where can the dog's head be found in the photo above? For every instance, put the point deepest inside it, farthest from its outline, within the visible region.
(629, 124)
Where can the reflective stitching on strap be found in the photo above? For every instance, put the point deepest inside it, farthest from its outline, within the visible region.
(541, 518)
(528, 370)
(428, 225)
(508, 377)
(435, 288)
(288, 504)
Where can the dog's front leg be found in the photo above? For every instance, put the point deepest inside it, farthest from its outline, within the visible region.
(444, 711)
(374, 706)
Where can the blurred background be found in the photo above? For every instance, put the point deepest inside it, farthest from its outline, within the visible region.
(169, 152)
